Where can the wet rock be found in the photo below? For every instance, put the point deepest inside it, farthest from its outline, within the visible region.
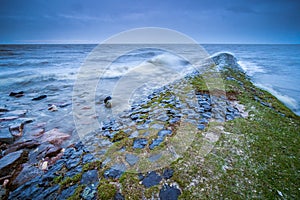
(168, 173)
(16, 94)
(169, 193)
(3, 109)
(89, 192)
(69, 191)
(201, 127)
(49, 193)
(87, 158)
(89, 177)
(157, 126)
(74, 171)
(203, 121)
(11, 161)
(135, 116)
(9, 118)
(53, 108)
(156, 142)
(71, 163)
(131, 159)
(163, 118)
(174, 120)
(140, 143)
(28, 172)
(27, 144)
(39, 98)
(151, 179)
(164, 133)
(3, 192)
(54, 136)
(115, 172)
(6, 136)
(229, 116)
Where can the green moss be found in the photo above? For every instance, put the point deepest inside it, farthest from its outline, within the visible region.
(119, 136)
(92, 165)
(58, 179)
(131, 187)
(151, 192)
(77, 193)
(71, 180)
(106, 191)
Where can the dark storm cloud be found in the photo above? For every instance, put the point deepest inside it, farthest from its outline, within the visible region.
(207, 21)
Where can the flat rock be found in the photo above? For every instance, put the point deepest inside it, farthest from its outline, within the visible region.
(89, 177)
(6, 136)
(54, 136)
(151, 179)
(140, 143)
(169, 193)
(28, 172)
(9, 162)
(131, 159)
(28, 144)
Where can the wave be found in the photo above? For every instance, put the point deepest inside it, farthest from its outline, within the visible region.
(287, 100)
(251, 68)
(170, 61)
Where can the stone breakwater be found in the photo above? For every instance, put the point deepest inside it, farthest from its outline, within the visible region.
(144, 140)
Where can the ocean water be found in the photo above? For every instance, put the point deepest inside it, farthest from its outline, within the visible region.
(53, 69)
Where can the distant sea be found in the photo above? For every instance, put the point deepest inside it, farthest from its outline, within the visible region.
(52, 69)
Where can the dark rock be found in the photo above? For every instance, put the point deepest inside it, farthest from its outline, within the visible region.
(168, 173)
(16, 94)
(28, 144)
(89, 192)
(3, 192)
(169, 193)
(203, 121)
(229, 117)
(69, 191)
(135, 116)
(9, 118)
(163, 118)
(3, 109)
(206, 115)
(39, 98)
(6, 136)
(107, 99)
(71, 163)
(89, 177)
(156, 142)
(131, 159)
(49, 193)
(11, 161)
(74, 171)
(201, 127)
(174, 120)
(140, 143)
(115, 171)
(151, 179)
(119, 196)
(87, 158)
(28, 172)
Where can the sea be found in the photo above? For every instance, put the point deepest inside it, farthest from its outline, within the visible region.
(52, 70)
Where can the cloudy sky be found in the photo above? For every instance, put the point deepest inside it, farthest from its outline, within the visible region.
(206, 21)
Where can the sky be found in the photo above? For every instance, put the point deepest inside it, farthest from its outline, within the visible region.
(206, 21)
